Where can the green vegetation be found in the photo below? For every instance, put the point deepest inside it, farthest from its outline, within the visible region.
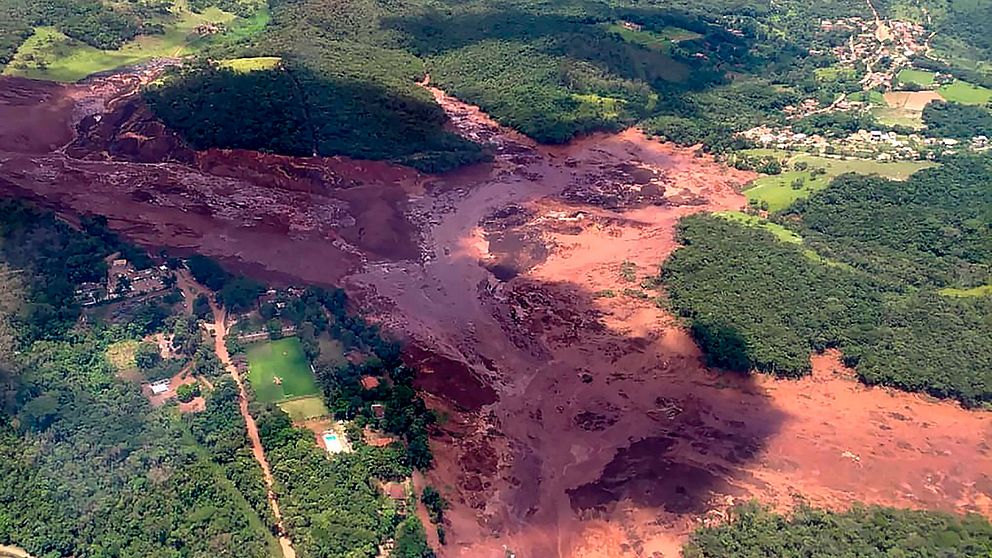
(916, 77)
(965, 93)
(953, 120)
(981, 290)
(87, 466)
(304, 408)
(776, 192)
(756, 302)
(251, 64)
(55, 53)
(866, 532)
(278, 370)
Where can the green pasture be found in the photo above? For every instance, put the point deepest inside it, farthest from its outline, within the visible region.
(245, 65)
(50, 55)
(918, 77)
(283, 359)
(778, 192)
(965, 93)
(654, 40)
(983, 290)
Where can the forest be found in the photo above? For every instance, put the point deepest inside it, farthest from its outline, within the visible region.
(87, 466)
(865, 532)
(551, 71)
(954, 120)
(865, 280)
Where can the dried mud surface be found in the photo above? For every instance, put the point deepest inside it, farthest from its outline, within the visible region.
(578, 424)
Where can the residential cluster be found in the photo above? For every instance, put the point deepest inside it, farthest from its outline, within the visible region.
(123, 281)
(866, 144)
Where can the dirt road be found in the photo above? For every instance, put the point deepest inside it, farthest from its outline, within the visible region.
(580, 421)
(220, 347)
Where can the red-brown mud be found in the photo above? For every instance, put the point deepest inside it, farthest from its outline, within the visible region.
(577, 423)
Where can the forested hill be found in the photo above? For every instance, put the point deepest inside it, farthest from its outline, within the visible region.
(551, 70)
(895, 274)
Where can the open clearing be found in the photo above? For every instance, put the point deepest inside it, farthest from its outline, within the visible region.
(778, 192)
(984, 290)
(965, 93)
(121, 355)
(917, 77)
(50, 55)
(304, 408)
(911, 100)
(279, 370)
(252, 64)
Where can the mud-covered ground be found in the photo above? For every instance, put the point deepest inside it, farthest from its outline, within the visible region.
(579, 419)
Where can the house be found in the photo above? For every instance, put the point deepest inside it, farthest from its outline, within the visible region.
(378, 410)
(160, 387)
(369, 382)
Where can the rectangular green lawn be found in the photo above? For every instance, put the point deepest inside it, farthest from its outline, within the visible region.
(965, 93)
(304, 408)
(283, 359)
(919, 77)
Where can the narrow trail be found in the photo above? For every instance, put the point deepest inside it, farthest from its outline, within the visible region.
(220, 347)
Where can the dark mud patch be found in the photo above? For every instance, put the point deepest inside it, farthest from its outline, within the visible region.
(514, 246)
(646, 474)
(448, 379)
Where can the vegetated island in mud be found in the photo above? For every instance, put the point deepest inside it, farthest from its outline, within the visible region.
(580, 420)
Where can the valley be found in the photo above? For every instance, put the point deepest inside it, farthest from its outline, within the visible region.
(580, 418)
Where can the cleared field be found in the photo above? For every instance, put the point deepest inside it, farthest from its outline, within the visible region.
(918, 77)
(652, 39)
(304, 408)
(121, 354)
(780, 232)
(911, 100)
(984, 290)
(50, 55)
(279, 370)
(965, 93)
(244, 65)
(331, 350)
(778, 191)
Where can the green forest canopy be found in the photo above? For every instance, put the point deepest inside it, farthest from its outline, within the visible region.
(754, 302)
(862, 532)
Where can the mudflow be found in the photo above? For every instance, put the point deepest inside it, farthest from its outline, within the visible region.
(576, 423)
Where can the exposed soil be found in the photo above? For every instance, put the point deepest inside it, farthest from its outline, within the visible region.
(576, 424)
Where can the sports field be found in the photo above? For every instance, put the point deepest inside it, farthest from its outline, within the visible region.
(918, 77)
(279, 370)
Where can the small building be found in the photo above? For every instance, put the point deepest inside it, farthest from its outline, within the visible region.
(378, 410)
(369, 382)
(160, 387)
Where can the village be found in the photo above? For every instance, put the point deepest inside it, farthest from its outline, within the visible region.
(878, 145)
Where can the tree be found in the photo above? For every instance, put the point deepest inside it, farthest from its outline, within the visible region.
(201, 307)
(187, 392)
(274, 327)
(240, 294)
(147, 356)
(411, 540)
(435, 504)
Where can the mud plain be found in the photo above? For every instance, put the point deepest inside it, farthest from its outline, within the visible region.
(577, 424)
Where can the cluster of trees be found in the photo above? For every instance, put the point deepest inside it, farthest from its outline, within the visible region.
(954, 120)
(87, 466)
(866, 532)
(236, 292)
(875, 252)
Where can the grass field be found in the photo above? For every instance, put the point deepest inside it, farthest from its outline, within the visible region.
(121, 354)
(283, 359)
(331, 350)
(243, 65)
(780, 232)
(48, 54)
(965, 93)
(984, 290)
(652, 39)
(304, 408)
(778, 192)
(918, 77)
